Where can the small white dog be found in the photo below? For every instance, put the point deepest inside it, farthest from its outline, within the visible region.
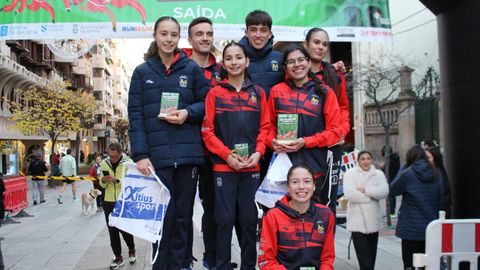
(89, 200)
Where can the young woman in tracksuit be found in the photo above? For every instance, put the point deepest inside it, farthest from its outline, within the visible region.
(317, 44)
(172, 144)
(317, 108)
(236, 118)
(298, 233)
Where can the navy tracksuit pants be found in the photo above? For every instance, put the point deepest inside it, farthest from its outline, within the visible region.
(181, 182)
(206, 191)
(236, 192)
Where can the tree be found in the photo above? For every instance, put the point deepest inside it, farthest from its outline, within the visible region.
(120, 126)
(52, 109)
(382, 81)
(84, 107)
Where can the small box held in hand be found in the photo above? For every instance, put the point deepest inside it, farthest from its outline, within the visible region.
(241, 149)
(168, 103)
(287, 128)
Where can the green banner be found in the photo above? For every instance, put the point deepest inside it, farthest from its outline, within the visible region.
(346, 20)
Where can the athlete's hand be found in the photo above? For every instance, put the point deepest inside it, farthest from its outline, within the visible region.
(235, 163)
(143, 165)
(277, 147)
(339, 66)
(253, 160)
(295, 145)
(177, 117)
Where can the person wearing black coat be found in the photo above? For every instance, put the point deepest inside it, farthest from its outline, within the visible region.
(422, 191)
(169, 143)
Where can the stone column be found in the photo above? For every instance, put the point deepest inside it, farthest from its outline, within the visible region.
(406, 109)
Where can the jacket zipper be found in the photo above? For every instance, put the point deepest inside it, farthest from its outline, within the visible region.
(304, 233)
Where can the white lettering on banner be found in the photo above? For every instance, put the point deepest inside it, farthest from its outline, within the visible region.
(200, 11)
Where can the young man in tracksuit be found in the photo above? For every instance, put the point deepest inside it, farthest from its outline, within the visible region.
(113, 169)
(265, 67)
(200, 37)
(233, 118)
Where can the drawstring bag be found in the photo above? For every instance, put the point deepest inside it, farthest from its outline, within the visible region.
(270, 191)
(141, 206)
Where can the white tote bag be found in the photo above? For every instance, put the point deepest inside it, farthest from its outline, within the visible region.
(141, 206)
(268, 194)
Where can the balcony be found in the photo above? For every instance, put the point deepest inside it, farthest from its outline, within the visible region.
(98, 61)
(81, 67)
(99, 84)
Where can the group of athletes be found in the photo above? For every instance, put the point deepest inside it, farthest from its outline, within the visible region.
(223, 133)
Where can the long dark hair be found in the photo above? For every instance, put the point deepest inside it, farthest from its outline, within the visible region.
(329, 76)
(437, 159)
(153, 48)
(299, 165)
(417, 153)
(319, 88)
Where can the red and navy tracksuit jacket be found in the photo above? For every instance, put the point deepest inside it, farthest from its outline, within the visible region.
(342, 99)
(291, 240)
(233, 117)
(213, 72)
(318, 121)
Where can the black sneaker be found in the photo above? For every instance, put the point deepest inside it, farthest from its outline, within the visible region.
(132, 258)
(117, 263)
(34, 202)
(42, 201)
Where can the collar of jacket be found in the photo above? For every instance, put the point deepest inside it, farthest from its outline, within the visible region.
(246, 84)
(284, 206)
(304, 88)
(179, 61)
(255, 54)
(123, 160)
(211, 61)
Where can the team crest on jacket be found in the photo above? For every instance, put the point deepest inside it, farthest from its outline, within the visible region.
(320, 227)
(183, 81)
(315, 99)
(217, 76)
(253, 98)
(274, 65)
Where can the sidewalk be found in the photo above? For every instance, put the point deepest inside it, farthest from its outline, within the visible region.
(59, 237)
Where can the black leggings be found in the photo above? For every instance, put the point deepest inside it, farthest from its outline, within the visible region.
(366, 249)
(408, 248)
(114, 233)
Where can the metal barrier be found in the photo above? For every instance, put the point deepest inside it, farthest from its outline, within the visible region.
(458, 240)
(15, 196)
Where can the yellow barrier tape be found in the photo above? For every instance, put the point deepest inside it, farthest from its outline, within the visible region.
(74, 178)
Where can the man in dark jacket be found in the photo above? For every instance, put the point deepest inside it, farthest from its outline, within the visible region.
(265, 66)
(200, 37)
(38, 167)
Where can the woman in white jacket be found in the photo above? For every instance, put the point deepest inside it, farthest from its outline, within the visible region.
(364, 186)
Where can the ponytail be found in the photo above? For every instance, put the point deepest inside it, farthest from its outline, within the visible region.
(152, 51)
(329, 76)
(319, 88)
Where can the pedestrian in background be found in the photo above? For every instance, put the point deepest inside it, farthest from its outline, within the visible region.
(96, 171)
(364, 187)
(113, 168)
(393, 168)
(68, 167)
(421, 187)
(298, 233)
(169, 143)
(435, 157)
(38, 167)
